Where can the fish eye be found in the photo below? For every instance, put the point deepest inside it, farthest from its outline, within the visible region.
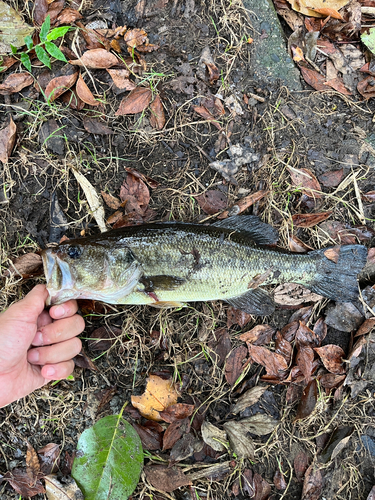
(74, 252)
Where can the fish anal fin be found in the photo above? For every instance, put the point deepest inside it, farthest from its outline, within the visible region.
(166, 305)
(252, 227)
(255, 301)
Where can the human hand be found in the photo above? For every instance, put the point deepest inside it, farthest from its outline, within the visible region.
(36, 345)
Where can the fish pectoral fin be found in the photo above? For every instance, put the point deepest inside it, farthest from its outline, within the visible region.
(165, 305)
(161, 282)
(255, 301)
(252, 227)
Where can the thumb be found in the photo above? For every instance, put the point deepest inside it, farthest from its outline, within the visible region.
(29, 308)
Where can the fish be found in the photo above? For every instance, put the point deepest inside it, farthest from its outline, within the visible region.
(169, 264)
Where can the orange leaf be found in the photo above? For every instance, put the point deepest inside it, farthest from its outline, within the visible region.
(96, 59)
(204, 113)
(59, 85)
(309, 220)
(338, 84)
(136, 102)
(84, 93)
(244, 203)
(332, 356)
(7, 140)
(313, 78)
(15, 82)
(158, 395)
(328, 12)
(333, 253)
(135, 37)
(157, 118)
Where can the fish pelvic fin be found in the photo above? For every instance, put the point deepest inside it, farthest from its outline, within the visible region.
(255, 301)
(166, 305)
(252, 227)
(338, 268)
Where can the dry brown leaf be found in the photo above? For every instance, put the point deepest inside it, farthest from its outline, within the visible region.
(7, 63)
(96, 127)
(244, 203)
(93, 199)
(174, 432)
(71, 99)
(136, 194)
(49, 457)
(296, 245)
(135, 37)
(301, 464)
(237, 317)
(84, 93)
(204, 113)
(309, 220)
(111, 201)
(293, 294)
(40, 11)
(332, 356)
(136, 102)
(120, 78)
(175, 412)
(59, 85)
(157, 118)
(150, 436)
(330, 380)
(313, 484)
(15, 82)
(22, 484)
(338, 85)
(96, 59)
(310, 7)
(369, 196)
(279, 481)
(7, 140)
(234, 364)
(366, 87)
(158, 395)
(332, 178)
(313, 78)
(93, 38)
(213, 436)
(148, 47)
(248, 399)
(32, 463)
(325, 12)
(165, 478)
(259, 335)
(212, 201)
(148, 180)
(366, 327)
(24, 266)
(67, 16)
(275, 364)
(241, 443)
(306, 180)
(308, 400)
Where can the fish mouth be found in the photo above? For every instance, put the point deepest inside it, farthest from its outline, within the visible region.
(60, 283)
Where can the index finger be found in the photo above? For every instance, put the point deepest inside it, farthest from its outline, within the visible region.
(64, 310)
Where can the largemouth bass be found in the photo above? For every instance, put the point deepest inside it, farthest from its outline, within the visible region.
(169, 264)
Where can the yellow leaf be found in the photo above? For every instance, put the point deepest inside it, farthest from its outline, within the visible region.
(158, 395)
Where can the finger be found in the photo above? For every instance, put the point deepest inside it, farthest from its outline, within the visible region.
(58, 371)
(63, 351)
(43, 319)
(64, 310)
(30, 307)
(59, 331)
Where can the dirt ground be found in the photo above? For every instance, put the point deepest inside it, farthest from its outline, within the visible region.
(322, 132)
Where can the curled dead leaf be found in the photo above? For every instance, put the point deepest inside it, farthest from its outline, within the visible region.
(7, 140)
(333, 253)
(25, 266)
(15, 83)
(96, 59)
(309, 220)
(57, 86)
(332, 356)
(84, 93)
(136, 102)
(157, 118)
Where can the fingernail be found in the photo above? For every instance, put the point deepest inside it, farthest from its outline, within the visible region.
(49, 371)
(33, 356)
(59, 312)
(38, 340)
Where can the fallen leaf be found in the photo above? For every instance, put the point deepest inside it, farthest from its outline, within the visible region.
(259, 335)
(158, 395)
(84, 361)
(96, 127)
(260, 424)
(96, 59)
(174, 432)
(157, 117)
(176, 412)
(212, 201)
(25, 266)
(204, 113)
(136, 102)
(248, 399)
(15, 83)
(370, 196)
(220, 346)
(306, 180)
(313, 483)
(308, 401)
(307, 337)
(292, 294)
(148, 180)
(32, 463)
(314, 79)
(54, 9)
(13, 29)
(7, 140)
(234, 364)
(243, 204)
(103, 338)
(213, 436)
(237, 317)
(84, 93)
(332, 178)
(49, 457)
(302, 314)
(309, 220)
(301, 464)
(283, 347)
(111, 201)
(296, 245)
(275, 364)
(366, 327)
(148, 47)
(93, 38)
(240, 442)
(279, 481)
(136, 194)
(330, 380)
(6, 62)
(165, 478)
(58, 491)
(311, 7)
(150, 436)
(120, 78)
(135, 37)
(93, 200)
(206, 61)
(332, 356)
(68, 16)
(22, 484)
(305, 362)
(333, 253)
(371, 495)
(105, 396)
(366, 87)
(338, 85)
(71, 99)
(57, 86)
(185, 448)
(289, 331)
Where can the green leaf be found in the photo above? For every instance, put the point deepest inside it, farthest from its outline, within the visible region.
(42, 56)
(14, 49)
(55, 51)
(57, 32)
(25, 60)
(29, 42)
(45, 29)
(369, 39)
(109, 459)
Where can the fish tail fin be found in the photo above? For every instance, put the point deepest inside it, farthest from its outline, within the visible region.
(338, 268)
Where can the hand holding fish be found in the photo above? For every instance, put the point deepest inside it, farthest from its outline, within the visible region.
(36, 345)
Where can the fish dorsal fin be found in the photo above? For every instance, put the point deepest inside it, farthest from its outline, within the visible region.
(252, 227)
(255, 301)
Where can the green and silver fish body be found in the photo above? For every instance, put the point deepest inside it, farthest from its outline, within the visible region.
(169, 264)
